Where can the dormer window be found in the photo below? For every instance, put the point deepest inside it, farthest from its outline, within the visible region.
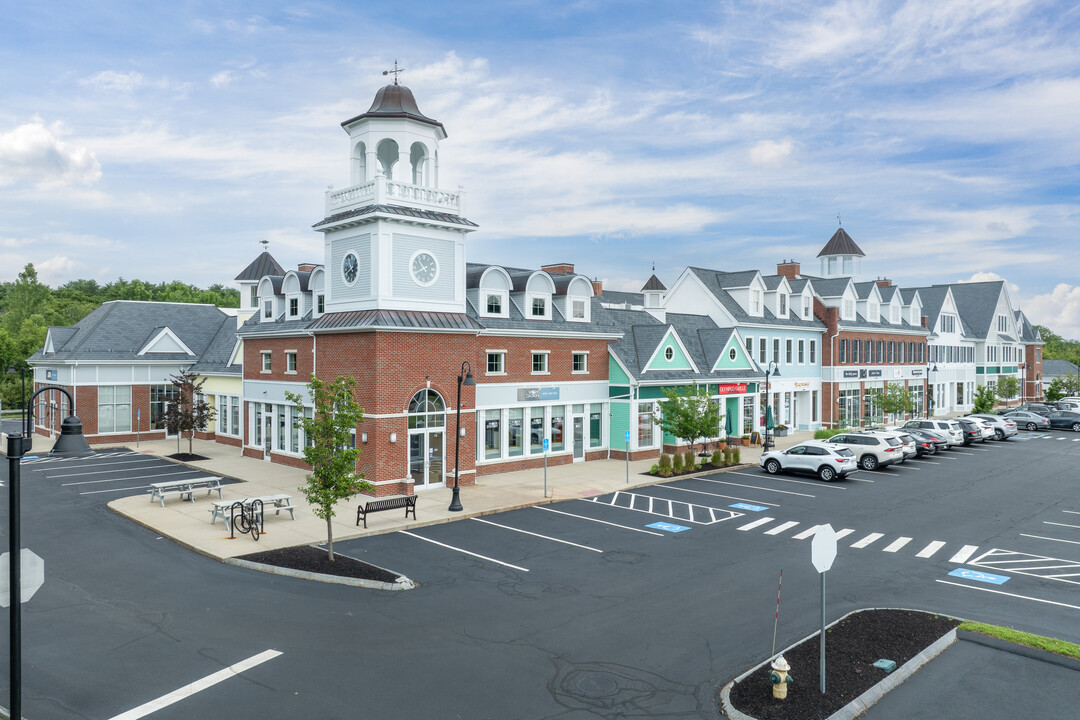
(538, 307)
(320, 304)
(254, 296)
(755, 302)
(577, 309)
(783, 305)
(268, 309)
(896, 314)
(873, 313)
(948, 323)
(494, 304)
(849, 309)
(807, 307)
(294, 307)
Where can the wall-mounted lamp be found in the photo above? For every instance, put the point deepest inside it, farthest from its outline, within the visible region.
(363, 437)
(393, 437)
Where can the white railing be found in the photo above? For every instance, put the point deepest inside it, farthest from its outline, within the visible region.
(381, 191)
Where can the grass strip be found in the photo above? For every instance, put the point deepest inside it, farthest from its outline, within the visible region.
(1058, 647)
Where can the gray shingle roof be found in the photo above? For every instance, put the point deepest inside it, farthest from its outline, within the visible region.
(732, 280)
(118, 329)
(653, 283)
(215, 359)
(357, 213)
(557, 323)
(402, 319)
(1053, 367)
(841, 244)
(617, 296)
(830, 287)
(711, 279)
(976, 302)
(265, 264)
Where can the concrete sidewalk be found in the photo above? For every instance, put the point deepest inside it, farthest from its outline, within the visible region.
(189, 523)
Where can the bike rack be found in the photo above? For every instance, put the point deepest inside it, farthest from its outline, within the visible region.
(246, 519)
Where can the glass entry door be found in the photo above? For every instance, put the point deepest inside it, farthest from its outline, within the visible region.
(426, 458)
(268, 433)
(579, 438)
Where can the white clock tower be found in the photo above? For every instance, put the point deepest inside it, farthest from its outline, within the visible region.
(393, 240)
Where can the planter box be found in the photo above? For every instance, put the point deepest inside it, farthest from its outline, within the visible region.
(780, 433)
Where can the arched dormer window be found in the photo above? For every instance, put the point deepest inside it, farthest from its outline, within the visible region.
(388, 157)
(267, 300)
(418, 158)
(358, 164)
(317, 285)
(578, 308)
(538, 292)
(494, 299)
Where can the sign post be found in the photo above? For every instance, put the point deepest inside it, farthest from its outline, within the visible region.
(822, 554)
(138, 425)
(626, 437)
(547, 444)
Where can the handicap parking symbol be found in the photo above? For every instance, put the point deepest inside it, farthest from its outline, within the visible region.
(669, 527)
(968, 574)
(748, 506)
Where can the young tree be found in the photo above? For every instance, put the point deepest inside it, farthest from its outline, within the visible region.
(984, 399)
(894, 399)
(1007, 388)
(189, 411)
(330, 447)
(689, 413)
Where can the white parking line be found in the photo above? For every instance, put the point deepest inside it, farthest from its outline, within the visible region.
(756, 523)
(602, 522)
(526, 532)
(1071, 512)
(905, 466)
(965, 552)
(867, 540)
(783, 479)
(461, 550)
(929, 462)
(897, 544)
(1040, 537)
(189, 690)
(1047, 522)
(134, 477)
(781, 528)
(755, 487)
(113, 490)
(728, 497)
(930, 549)
(100, 472)
(806, 533)
(844, 533)
(1002, 592)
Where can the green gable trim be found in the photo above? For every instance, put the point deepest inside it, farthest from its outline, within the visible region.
(678, 361)
(618, 391)
(651, 393)
(616, 375)
(741, 361)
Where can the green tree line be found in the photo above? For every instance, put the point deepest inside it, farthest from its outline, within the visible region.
(28, 308)
(1057, 347)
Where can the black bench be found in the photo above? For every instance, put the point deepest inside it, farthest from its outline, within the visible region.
(408, 502)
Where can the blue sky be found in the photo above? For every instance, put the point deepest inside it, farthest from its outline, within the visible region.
(165, 141)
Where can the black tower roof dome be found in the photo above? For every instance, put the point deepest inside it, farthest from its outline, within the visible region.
(395, 101)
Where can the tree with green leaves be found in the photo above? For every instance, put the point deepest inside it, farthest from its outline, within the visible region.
(894, 399)
(189, 411)
(330, 447)
(984, 399)
(26, 297)
(689, 413)
(1063, 386)
(1007, 388)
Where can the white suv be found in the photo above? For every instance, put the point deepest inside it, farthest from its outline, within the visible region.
(949, 429)
(826, 461)
(872, 451)
(907, 443)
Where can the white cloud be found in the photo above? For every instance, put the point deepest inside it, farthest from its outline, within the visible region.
(223, 78)
(1058, 310)
(34, 152)
(985, 276)
(110, 80)
(56, 270)
(771, 152)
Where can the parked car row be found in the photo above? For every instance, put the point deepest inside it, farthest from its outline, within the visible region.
(1045, 408)
(872, 449)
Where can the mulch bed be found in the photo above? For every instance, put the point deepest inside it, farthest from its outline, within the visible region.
(317, 560)
(187, 457)
(852, 646)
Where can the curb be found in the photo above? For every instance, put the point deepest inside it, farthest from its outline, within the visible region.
(1017, 649)
(402, 583)
(860, 704)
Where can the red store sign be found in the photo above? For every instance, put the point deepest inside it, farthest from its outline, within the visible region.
(731, 389)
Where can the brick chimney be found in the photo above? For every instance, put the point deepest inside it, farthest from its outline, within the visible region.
(788, 268)
(884, 282)
(558, 268)
(597, 288)
(307, 267)
(926, 322)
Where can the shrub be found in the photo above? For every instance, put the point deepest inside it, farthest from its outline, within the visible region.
(677, 464)
(735, 459)
(691, 460)
(825, 434)
(654, 470)
(665, 461)
(718, 458)
(729, 453)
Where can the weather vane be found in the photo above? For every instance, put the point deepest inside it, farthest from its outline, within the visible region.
(265, 243)
(395, 72)
(838, 221)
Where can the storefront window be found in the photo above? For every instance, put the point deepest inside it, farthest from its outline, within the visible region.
(257, 429)
(114, 408)
(557, 421)
(223, 415)
(160, 397)
(514, 445)
(294, 435)
(281, 436)
(234, 415)
(645, 424)
(492, 434)
(748, 414)
(426, 409)
(596, 425)
(536, 430)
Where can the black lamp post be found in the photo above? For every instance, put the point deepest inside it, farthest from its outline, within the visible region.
(71, 443)
(929, 399)
(455, 502)
(774, 370)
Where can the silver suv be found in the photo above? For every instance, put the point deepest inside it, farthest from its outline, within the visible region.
(949, 429)
(871, 451)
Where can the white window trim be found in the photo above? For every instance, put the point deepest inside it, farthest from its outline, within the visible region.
(547, 362)
(801, 351)
(503, 295)
(263, 317)
(315, 304)
(570, 300)
(503, 363)
(529, 297)
(266, 355)
(296, 358)
(299, 306)
(755, 302)
(585, 353)
(782, 305)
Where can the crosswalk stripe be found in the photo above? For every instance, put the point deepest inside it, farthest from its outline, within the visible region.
(897, 544)
(759, 521)
(867, 540)
(844, 533)
(930, 549)
(781, 528)
(806, 533)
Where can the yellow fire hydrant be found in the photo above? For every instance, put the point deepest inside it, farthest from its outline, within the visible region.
(780, 677)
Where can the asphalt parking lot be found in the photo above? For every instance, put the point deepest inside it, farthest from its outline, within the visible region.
(631, 604)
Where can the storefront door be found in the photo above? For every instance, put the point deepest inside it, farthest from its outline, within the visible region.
(268, 432)
(579, 438)
(426, 465)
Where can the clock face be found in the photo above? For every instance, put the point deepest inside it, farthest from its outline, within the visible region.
(350, 266)
(424, 268)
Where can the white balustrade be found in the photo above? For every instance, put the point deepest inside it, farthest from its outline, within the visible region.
(381, 191)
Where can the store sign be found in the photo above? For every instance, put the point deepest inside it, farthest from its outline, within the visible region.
(875, 373)
(534, 394)
(851, 373)
(802, 383)
(917, 372)
(730, 389)
(50, 375)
